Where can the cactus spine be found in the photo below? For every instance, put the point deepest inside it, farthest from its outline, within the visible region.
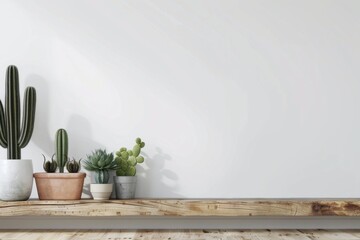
(12, 136)
(61, 149)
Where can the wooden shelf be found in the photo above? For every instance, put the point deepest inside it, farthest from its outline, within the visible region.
(185, 207)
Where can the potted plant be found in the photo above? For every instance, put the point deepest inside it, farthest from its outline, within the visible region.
(125, 179)
(60, 186)
(16, 173)
(100, 162)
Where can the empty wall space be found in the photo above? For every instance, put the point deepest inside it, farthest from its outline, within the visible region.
(234, 99)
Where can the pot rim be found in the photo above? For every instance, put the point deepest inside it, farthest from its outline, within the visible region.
(101, 184)
(59, 175)
(125, 176)
(125, 179)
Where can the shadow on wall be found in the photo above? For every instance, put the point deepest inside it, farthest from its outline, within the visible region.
(78, 127)
(41, 136)
(81, 143)
(157, 181)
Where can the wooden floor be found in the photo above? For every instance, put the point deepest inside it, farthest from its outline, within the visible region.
(181, 234)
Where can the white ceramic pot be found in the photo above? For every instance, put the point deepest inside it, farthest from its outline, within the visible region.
(16, 179)
(101, 191)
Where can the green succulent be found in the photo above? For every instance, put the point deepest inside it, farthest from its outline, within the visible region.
(73, 166)
(50, 166)
(128, 159)
(100, 162)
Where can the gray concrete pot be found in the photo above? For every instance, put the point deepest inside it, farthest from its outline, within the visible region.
(16, 179)
(125, 187)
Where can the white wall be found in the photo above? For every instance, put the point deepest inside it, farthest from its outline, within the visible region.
(233, 98)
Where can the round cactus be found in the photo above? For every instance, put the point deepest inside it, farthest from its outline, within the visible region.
(73, 166)
(49, 166)
(131, 171)
(123, 149)
(140, 159)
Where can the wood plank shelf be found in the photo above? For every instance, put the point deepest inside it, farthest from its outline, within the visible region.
(185, 208)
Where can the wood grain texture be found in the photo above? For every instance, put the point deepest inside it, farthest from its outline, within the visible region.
(181, 234)
(187, 208)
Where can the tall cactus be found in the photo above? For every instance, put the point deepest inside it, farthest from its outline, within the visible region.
(12, 136)
(61, 149)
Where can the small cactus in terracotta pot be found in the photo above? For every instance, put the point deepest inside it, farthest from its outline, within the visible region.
(60, 186)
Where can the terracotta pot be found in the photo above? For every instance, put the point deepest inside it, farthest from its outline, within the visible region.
(59, 186)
